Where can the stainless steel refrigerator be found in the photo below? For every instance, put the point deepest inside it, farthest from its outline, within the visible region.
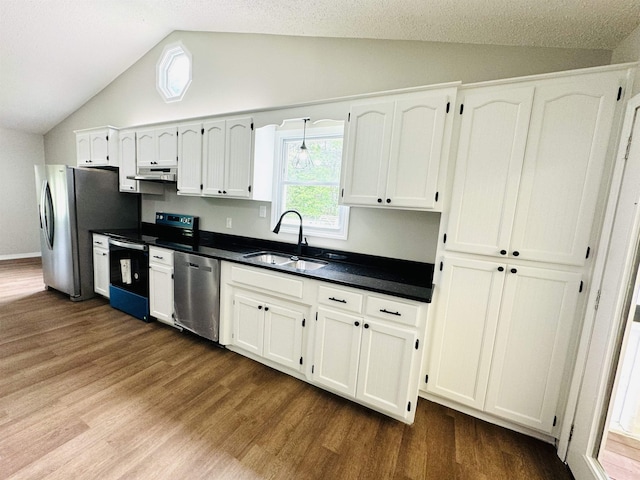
(71, 203)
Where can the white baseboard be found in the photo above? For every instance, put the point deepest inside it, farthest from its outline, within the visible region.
(17, 256)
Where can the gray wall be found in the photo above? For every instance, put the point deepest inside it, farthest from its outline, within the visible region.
(629, 51)
(234, 72)
(19, 152)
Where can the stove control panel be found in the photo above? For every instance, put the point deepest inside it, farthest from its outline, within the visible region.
(177, 220)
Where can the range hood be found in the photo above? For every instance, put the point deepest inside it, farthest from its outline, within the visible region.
(155, 174)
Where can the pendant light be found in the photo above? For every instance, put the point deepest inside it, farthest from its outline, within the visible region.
(303, 159)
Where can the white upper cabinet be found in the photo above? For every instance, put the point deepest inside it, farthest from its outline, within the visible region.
(493, 135)
(157, 147)
(394, 151)
(97, 147)
(529, 165)
(216, 158)
(566, 151)
(127, 169)
(190, 159)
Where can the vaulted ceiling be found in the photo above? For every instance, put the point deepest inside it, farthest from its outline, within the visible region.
(48, 47)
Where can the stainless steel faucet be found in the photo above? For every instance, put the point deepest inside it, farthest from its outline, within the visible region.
(301, 242)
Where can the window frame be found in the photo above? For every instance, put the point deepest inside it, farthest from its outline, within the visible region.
(279, 182)
(169, 54)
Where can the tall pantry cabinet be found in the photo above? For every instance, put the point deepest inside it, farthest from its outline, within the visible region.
(517, 241)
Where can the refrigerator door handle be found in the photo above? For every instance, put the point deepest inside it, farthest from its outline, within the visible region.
(47, 219)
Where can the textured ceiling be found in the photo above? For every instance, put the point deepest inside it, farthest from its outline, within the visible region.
(46, 45)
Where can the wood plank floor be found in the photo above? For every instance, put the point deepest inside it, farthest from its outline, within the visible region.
(620, 457)
(87, 392)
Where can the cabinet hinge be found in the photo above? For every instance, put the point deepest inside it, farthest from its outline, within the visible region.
(444, 238)
(202, 131)
(571, 432)
(249, 188)
(349, 117)
(301, 364)
(409, 407)
(417, 343)
(342, 193)
(448, 106)
(251, 126)
(176, 158)
(597, 301)
(626, 153)
(107, 138)
(437, 194)
(172, 276)
(441, 265)
(461, 108)
(588, 252)
(555, 420)
(313, 367)
(619, 94)
(201, 187)
(316, 316)
(304, 321)
(426, 379)
(107, 158)
(581, 285)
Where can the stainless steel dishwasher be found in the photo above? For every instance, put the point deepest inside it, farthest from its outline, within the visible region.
(196, 288)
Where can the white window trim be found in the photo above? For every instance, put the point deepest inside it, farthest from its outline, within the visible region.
(279, 164)
(168, 53)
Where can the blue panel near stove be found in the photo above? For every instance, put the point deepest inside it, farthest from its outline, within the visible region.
(130, 303)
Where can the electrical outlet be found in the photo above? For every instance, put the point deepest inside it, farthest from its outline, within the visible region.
(229, 222)
(263, 211)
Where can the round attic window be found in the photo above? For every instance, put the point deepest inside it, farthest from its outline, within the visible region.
(173, 72)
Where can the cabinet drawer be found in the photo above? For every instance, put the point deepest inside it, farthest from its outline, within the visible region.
(100, 241)
(161, 256)
(393, 310)
(280, 284)
(342, 299)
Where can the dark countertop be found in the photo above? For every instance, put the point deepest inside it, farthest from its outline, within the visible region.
(401, 278)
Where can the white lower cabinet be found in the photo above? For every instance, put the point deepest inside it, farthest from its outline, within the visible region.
(500, 338)
(370, 359)
(268, 327)
(364, 346)
(161, 285)
(101, 265)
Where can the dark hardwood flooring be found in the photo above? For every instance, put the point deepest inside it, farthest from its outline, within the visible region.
(87, 392)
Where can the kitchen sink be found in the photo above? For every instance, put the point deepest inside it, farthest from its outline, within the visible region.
(283, 260)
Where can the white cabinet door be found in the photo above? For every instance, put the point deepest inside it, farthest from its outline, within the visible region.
(566, 150)
(283, 335)
(531, 346)
(248, 323)
(337, 350)
(166, 147)
(145, 147)
(127, 168)
(157, 147)
(416, 150)
(467, 304)
(190, 159)
(367, 153)
(386, 358)
(491, 149)
(101, 271)
(83, 149)
(213, 149)
(100, 148)
(161, 293)
(238, 157)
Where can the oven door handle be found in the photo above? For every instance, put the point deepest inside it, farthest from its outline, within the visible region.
(129, 245)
